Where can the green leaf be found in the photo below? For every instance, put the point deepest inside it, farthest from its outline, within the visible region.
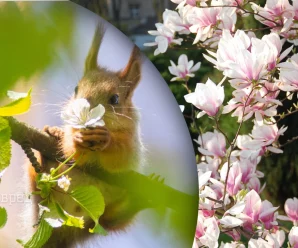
(5, 145)
(91, 200)
(69, 220)
(3, 217)
(98, 229)
(73, 221)
(40, 237)
(44, 185)
(17, 107)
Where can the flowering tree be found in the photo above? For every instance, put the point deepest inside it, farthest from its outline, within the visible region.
(259, 68)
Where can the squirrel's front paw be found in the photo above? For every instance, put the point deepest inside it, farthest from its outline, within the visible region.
(56, 132)
(93, 139)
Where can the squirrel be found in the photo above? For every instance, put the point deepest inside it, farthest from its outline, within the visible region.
(115, 147)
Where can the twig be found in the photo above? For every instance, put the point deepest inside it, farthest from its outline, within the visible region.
(289, 141)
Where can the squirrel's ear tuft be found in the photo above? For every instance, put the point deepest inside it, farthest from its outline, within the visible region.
(91, 59)
(131, 74)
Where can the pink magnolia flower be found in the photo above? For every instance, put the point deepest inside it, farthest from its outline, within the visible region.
(203, 178)
(267, 215)
(234, 58)
(181, 3)
(292, 33)
(272, 240)
(255, 184)
(164, 37)
(206, 20)
(203, 21)
(230, 222)
(211, 164)
(267, 135)
(245, 58)
(247, 103)
(207, 97)
(200, 230)
(234, 2)
(293, 237)
(291, 208)
(234, 178)
(212, 144)
(217, 187)
(210, 233)
(184, 69)
(268, 242)
(250, 149)
(177, 21)
(279, 237)
(275, 12)
(206, 204)
(289, 74)
(248, 170)
(241, 104)
(251, 212)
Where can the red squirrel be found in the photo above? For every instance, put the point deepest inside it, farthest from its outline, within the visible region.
(114, 147)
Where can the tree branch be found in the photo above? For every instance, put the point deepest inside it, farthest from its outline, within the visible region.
(23, 134)
(152, 193)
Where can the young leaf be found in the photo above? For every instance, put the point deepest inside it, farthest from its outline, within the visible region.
(40, 237)
(5, 145)
(91, 200)
(19, 106)
(3, 217)
(98, 229)
(69, 220)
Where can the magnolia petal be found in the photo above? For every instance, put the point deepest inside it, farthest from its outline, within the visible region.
(274, 149)
(230, 221)
(237, 208)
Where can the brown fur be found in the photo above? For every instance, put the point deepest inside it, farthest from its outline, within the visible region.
(115, 147)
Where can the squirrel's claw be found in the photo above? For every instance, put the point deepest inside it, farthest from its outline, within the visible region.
(93, 139)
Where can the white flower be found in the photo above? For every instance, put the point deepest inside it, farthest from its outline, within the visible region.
(207, 97)
(184, 69)
(79, 115)
(45, 177)
(289, 74)
(293, 236)
(64, 182)
(246, 58)
(164, 37)
(211, 235)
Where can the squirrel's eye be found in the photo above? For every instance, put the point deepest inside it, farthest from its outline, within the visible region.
(76, 90)
(114, 99)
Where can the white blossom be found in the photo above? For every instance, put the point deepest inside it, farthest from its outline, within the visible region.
(64, 182)
(79, 115)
